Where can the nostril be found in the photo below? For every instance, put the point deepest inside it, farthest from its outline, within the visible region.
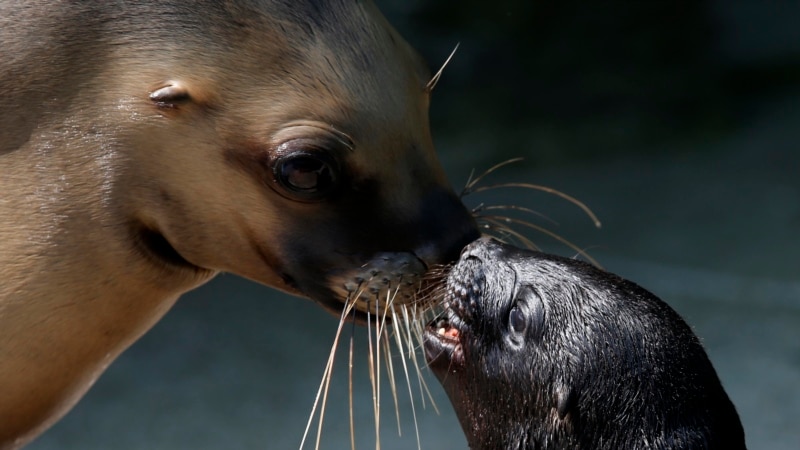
(481, 248)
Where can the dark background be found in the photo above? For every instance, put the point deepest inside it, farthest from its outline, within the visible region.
(591, 80)
(676, 121)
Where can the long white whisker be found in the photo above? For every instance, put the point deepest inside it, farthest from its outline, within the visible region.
(435, 79)
(326, 377)
(371, 367)
(423, 386)
(350, 387)
(388, 354)
(399, 342)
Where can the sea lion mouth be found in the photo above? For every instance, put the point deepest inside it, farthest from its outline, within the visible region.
(445, 335)
(442, 340)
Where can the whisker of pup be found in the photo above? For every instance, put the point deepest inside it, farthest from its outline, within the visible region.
(497, 225)
(423, 386)
(544, 231)
(537, 187)
(500, 225)
(472, 182)
(482, 207)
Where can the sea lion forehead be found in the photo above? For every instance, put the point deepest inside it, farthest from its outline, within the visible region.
(334, 62)
(348, 42)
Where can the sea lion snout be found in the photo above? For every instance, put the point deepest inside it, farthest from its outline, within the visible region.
(482, 248)
(433, 238)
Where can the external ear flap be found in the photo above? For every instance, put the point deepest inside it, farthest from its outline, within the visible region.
(565, 401)
(170, 95)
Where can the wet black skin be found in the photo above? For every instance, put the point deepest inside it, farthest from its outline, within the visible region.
(552, 353)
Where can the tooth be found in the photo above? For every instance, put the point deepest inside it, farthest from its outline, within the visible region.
(441, 331)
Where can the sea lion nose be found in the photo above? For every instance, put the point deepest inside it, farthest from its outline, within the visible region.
(483, 248)
(446, 227)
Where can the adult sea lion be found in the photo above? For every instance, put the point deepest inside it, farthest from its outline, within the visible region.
(541, 352)
(147, 146)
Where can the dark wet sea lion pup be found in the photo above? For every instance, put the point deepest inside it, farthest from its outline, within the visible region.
(542, 352)
(147, 146)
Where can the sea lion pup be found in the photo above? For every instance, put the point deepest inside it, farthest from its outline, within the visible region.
(541, 352)
(147, 146)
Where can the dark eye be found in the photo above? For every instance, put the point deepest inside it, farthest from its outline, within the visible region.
(526, 318)
(517, 320)
(306, 175)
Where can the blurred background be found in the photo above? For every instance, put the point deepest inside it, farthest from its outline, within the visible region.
(677, 122)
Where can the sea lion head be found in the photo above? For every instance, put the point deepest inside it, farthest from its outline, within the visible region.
(541, 352)
(287, 142)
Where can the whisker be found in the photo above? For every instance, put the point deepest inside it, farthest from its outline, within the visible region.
(546, 189)
(399, 343)
(435, 79)
(497, 225)
(385, 314)
(324, 384)
(350, 387)
(468, 183)
(468, 188)
(548, 233)
(388, 356)
(423, 386)
(371, 366)
(478, 209)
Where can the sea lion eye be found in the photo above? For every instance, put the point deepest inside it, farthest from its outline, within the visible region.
(306, 175)
(517, 320)
(526, 316)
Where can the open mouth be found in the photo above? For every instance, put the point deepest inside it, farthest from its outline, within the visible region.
(443, 337)
(446, 332)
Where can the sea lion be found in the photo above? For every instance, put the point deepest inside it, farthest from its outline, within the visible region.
(147, 146)
(542, 352)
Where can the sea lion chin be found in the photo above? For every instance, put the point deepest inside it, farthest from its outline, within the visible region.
(541, 352)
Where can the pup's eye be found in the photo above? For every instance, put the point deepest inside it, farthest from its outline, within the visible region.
(526, 318)
(517, 320)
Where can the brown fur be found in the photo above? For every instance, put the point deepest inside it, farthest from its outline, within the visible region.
(113, 204)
